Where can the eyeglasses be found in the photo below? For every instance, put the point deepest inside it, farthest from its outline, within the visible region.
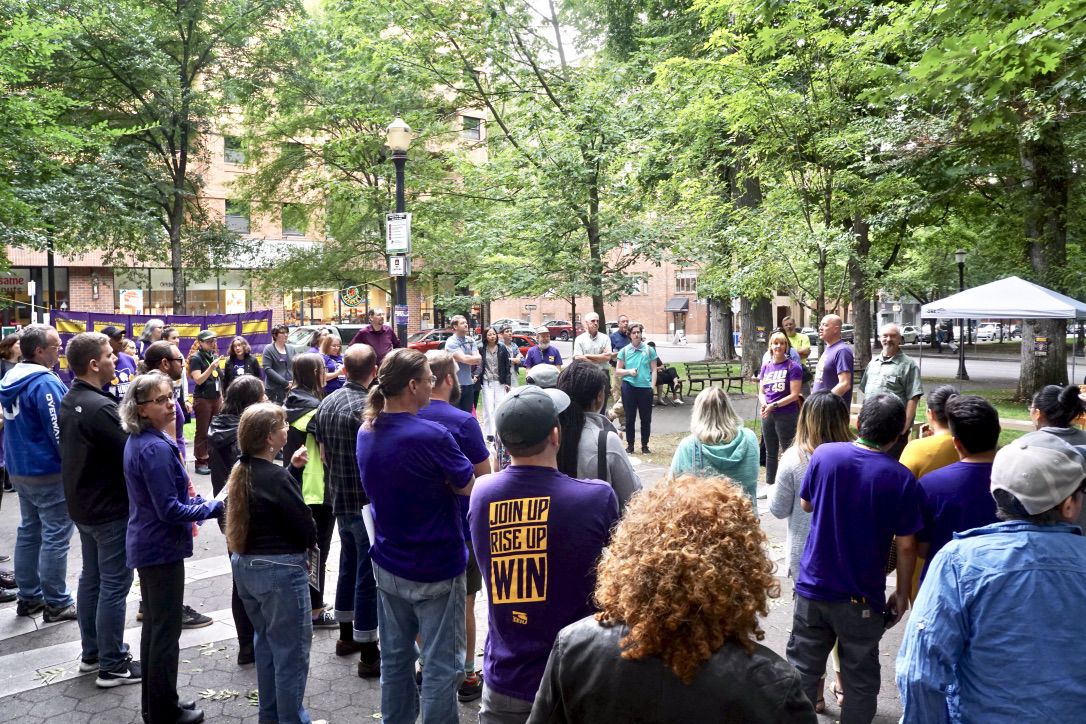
(432, 378)
(177, 359)
(160, 400)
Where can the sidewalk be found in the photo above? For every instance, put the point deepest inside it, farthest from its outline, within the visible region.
(39, 679)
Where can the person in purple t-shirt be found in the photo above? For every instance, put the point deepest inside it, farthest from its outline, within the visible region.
(378, 335)
(412, 471)
(468, 434)
(834, 370)
(779, 383)
(859, 498)
(126, 363)
(537, 534)
(958, 497)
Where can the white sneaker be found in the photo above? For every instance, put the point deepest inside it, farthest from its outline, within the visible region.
(679, 401)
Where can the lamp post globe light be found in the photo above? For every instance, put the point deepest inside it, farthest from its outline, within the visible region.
(398, 137)
(963, 337)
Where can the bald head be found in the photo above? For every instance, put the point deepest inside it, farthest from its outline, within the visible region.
(829, 329)
(360, 362)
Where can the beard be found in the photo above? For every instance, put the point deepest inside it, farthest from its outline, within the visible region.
(454, 394)
(544, 345)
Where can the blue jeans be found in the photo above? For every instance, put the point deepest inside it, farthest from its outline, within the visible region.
(41, 545)
(275, 591)
(104, 583)
(435, 611)
(356, 590)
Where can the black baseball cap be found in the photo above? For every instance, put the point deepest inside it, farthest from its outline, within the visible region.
(113, 331)
(528, 415)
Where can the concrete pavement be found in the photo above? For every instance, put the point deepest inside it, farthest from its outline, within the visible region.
(39, 679)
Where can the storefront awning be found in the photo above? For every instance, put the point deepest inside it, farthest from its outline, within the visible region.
(677, 304)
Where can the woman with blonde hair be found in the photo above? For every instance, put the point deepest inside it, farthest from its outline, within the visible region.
(268, 530)
(823, 418)
(718, 443)
(779, 383)
(676, 636)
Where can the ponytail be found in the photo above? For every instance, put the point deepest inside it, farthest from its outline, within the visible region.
(240, 486)
(397, 370)
(1061, 406)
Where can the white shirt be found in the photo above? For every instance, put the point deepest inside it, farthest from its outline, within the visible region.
(586, 344)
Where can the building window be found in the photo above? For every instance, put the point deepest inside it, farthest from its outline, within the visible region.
(686, 282)
(237, 216)
(639, 287)
(294, 220)
(473, 129)
(292, 155)
(233, 152)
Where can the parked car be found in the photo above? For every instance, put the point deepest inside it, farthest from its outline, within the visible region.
(612, 327)
(524, 342)
(299, 337)
(910, 334)
(514, 323)
(812, 335)
(428, 339)
(562, 329)
(988, 332)
(848, 333)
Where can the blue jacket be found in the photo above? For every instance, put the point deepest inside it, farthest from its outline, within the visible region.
(30, 395)
(160, 511)
(994, 634)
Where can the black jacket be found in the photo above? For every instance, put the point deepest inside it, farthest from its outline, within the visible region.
(279, 520)
(230, 373)
(222, 438)
(92, 455)
(504, 376)
(588, 682)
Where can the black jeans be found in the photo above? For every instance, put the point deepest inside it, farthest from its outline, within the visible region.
(637, 400)
(778, 431)
(857, 628)
(467, 398)
(163, 589)
(326, 523)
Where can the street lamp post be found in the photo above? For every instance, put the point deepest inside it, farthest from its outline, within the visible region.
(959, 255)
(398, 137)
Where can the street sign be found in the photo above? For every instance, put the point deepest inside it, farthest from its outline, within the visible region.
(398, 233)
(399, 266)
(529, 307)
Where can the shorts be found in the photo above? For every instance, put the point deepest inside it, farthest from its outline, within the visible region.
(474, 575)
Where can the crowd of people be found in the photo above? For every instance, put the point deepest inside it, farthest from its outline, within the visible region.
(444, 475)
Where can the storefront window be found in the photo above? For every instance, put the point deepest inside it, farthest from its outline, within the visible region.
(15, 293)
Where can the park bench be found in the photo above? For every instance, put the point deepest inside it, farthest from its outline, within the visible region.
(729, 374)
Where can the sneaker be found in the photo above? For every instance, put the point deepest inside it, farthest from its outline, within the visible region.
(29, 608)
(325, 620)
(87, 665)
(472, 688)
(4, 558)
(54, 615)
(679, 401)
(629, 449)
(203, 470)
(128, 673)
(645, 450)
(191, 618)
(418, 677)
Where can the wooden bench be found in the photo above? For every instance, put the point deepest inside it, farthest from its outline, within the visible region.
(702, 373)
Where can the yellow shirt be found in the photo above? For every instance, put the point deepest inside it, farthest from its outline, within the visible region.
(925, 454)
(800, 342)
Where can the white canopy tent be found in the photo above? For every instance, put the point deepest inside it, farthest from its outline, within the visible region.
(1010, 298)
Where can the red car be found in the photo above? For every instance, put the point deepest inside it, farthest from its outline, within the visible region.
(428, 339)
(563, 330)
(524, 343)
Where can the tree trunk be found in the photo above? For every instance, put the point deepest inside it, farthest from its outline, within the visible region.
(861, 304)
(1046, 183)
(729, 331)
(756, 321)
(719, 329)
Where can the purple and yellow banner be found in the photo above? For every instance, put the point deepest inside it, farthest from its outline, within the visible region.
(254, 326)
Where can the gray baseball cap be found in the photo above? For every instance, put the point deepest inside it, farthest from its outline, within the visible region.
(1040, 470)
(528, 414)
(542, 375)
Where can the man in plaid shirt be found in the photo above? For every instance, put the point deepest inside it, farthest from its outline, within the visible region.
(338, 419)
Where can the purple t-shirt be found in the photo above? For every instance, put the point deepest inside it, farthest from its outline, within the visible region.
(836, 359)
(408, 466)
(468, 435)
(537, 356)
(537, 534)
(122, 376)
(956, 498)
(332, 362)
(776, 380)
(861, 498)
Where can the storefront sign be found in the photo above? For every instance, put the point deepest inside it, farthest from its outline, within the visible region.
(131, 301)
(12, 284)
(235, 301)
(351, 297)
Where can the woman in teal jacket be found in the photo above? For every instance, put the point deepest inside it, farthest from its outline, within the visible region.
(719, 444)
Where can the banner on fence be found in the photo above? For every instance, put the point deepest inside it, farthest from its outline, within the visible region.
(254, 326)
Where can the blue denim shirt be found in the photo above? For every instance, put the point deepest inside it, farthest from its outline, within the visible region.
(995, 634)
(160, 511)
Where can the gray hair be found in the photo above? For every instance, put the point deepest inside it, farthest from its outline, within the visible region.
(140, 388)
(149, 327)
(714, 420)
(35, 337)
(590, 317)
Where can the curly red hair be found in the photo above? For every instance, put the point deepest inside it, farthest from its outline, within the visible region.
(686, 572)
